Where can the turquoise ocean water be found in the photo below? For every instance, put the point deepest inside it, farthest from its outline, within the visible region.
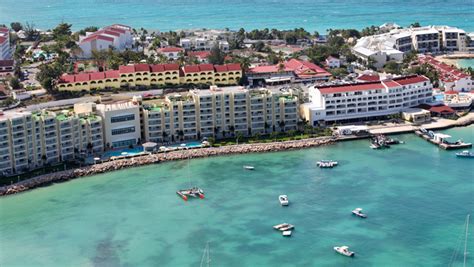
(416, 195)
(178, 14)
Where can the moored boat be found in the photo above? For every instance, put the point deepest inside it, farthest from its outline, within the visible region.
(344, 250)
(327, 163)
(248, 167)
(465, 154)
(358, 212)
(283, 227)
(283, 200)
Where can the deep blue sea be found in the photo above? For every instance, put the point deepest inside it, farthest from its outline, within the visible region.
(313, 15)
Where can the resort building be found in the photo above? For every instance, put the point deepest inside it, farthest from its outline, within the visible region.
(121, 122)
(171, 53)
(201, 56)
(394, 44)
(119, 37)
(360, 101)
(293, 70)
(5, 48)
(450, 77)
(29, 140)
(219, 112)
(151, 75)
(6, 65)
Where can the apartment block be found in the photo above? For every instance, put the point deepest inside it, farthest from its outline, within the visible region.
(29, 140)
(219, 112)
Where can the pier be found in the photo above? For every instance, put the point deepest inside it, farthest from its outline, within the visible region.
(440, 140)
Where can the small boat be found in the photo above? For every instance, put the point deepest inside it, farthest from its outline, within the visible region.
(344, 250)
(193, 192)
(326, 163)
(465, 154)
(358, 212)
(283, 227)
(283, 200)
(250, 168)
(286, 233)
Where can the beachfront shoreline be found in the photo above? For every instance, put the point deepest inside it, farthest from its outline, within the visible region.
(62, 176)
(453, 58)
(51, 178)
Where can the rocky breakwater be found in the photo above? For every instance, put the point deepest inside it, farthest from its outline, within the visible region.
(179, 154)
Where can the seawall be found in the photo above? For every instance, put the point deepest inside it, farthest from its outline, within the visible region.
(148, 159)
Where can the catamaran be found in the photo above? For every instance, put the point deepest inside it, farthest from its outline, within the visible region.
(191, 192)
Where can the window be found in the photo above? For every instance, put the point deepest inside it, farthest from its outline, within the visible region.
(123, 130)
(128, 117)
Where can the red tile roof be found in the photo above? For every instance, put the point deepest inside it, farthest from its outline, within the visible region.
(170, 49)
(363, 86)
(411, 79)
(67, 78)
(369, 77)
(116, 29)
(127, 69)
(300, 68)
(97, 37)
(350, 87)
(142, 67)
(227, 67)
(112, 74)
(447, 73)
(4, 29)
(82, 77)
(441, 109)
(94, 76)
(2, 39)
(171, 67)
(451, 92)
(198, 68)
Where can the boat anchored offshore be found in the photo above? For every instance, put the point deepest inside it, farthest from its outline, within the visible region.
(284, 228)
(465, 154)
(327, 163)
(248, 167)
(283, 200)
(193, 192)
(344, 250)
(358, 212)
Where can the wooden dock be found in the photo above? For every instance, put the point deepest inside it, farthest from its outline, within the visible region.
(446, 146)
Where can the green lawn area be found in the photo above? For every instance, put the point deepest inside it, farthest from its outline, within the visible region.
(47, 169)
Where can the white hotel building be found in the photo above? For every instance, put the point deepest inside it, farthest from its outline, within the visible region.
(394, 44)
(359, 101)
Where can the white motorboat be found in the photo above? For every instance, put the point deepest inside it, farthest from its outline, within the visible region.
(248, 167)
(465, 154)
(326, 163)
(344, 250)
(283, 200)
(286, 233)
(358, 212)
(283, 227)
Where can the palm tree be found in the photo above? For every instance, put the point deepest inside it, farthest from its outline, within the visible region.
(180, 134)
(266, 126)
(164, 135)
(232, 129)
(281, 124)
(216, 131)
(238, 136)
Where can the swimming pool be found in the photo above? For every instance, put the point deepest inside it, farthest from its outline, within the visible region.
(439, 97)
(192, 144)
(121, 152)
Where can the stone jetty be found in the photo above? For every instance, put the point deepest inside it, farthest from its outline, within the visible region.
(154, 158)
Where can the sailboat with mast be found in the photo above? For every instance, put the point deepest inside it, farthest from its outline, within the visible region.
(206, 256)
(455, 253)
(191, 192)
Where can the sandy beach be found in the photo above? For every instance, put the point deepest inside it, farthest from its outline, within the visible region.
(452, 59)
